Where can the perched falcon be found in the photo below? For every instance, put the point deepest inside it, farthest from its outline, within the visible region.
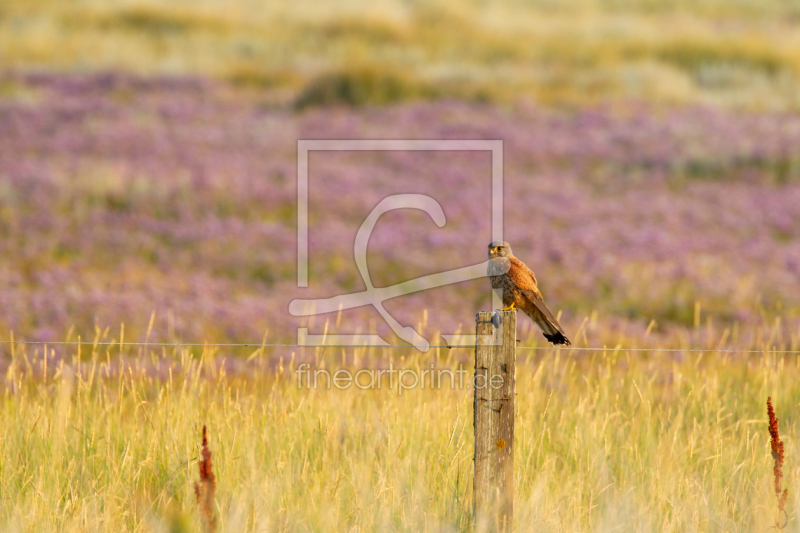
(515, 283)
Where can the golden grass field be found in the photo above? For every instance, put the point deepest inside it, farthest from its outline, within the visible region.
(606, 441)
(744, 53)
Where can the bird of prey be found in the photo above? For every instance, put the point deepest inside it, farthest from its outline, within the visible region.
(515, 284)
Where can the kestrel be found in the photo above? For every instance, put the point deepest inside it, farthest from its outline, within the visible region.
(515, 284)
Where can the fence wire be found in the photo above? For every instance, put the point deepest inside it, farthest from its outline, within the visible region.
(406, 346)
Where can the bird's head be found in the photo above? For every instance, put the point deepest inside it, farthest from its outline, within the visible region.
(499, 249)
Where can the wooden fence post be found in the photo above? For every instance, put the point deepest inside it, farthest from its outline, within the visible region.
(493, 408)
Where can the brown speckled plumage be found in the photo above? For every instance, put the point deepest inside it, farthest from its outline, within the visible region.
(515, 283)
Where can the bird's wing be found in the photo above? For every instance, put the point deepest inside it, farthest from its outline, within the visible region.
(529, 271)
(523, 278)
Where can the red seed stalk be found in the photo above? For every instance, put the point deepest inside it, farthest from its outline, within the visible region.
(777, 454)
(204, 490)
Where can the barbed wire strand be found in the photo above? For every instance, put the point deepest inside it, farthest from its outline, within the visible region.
(407, 346)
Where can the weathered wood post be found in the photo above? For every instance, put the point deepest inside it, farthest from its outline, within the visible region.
(493, 408)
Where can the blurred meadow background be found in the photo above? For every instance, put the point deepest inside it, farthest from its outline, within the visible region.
(148, 165)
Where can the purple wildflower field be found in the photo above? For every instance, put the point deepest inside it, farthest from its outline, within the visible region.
(123, 198)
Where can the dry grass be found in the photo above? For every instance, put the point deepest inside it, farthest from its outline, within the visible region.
(605, 441)
(736, 54)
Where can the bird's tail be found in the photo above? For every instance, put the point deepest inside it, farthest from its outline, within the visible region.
(557, 338)
(541, 315)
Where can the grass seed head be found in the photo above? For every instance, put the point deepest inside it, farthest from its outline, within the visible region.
(778, 456)
(204, 490)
